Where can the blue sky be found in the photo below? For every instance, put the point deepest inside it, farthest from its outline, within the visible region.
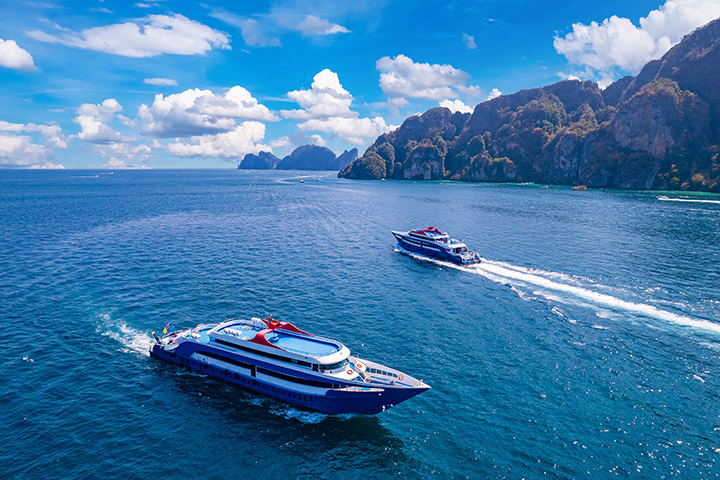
(164, 84)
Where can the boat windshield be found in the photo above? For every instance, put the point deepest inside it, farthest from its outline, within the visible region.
(333, 366)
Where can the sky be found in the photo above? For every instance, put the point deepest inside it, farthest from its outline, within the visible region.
(170, 84)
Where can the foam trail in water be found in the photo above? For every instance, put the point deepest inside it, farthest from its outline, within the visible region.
(303, 416)
(693, 200)
(520, 276)
(130, 339)
(595, 298)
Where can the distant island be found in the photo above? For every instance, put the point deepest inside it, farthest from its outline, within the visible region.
(307, 157)
(658, 130)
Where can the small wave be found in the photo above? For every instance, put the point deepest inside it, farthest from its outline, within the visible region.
(303, 416)
(275, 407)
(295, 179)
(692, 200)
(522, 294)
(128, 338)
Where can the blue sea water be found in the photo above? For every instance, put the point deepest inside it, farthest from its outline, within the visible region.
(587, 344)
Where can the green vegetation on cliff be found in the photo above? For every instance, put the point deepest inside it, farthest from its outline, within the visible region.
(658, 130)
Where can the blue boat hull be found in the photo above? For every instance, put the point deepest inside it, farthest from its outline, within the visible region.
(428, 250)
(332, 401)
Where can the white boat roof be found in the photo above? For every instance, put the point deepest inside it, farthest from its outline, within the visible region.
(295, 343)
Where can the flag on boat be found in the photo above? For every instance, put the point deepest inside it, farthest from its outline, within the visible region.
(165, 330)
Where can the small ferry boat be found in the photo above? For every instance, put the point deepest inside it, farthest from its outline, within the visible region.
(281, 361)
(433, 243)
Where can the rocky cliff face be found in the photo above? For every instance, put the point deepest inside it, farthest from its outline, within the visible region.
(309, 157)
(261, 161)
(345, 158)
(306, 157)
(659, 130)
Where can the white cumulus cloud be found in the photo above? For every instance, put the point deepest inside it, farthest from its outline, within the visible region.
(47, 166)
(617, 44)
(282, 142)
(243, 139)
(402, 77)
(124, 155)
(94, 120)
(18, 148)
(494, 93)
(196, 112)
(456, 106)
(238, 102)
(326, 108)
(12, 56)
(145, 37)
(52, 134)
(30, 145)
(353, 130)
(326, 98)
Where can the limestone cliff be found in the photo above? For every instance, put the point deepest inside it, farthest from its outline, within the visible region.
(658, 130)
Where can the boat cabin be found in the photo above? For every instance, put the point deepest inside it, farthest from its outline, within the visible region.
(279, 341)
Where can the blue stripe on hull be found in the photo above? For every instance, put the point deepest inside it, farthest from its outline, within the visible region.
(331, 402)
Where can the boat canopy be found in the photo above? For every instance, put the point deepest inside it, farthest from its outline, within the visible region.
(429, 232)
(282, 335)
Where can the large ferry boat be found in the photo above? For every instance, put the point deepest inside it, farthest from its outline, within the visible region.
(433, 243)
(279, 360)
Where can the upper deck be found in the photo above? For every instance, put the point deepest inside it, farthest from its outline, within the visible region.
(303, 344)
(280, 335)
(434, 235)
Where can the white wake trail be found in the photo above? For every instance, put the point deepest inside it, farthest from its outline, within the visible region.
(693, 200)
(128, 338)
(596, 298)
(548, 285)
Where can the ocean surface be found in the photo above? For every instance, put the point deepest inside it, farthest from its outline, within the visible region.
(586, 345)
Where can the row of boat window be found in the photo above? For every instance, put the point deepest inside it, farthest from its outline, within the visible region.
(269, 355)
(382, 372)
(335, 365)
(296, 396)
(271, 373)
(304, 381)
(302, 363)
(306, 398)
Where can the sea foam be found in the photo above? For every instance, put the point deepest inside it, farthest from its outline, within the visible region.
(693, 200)
(555, 286)
(129, 339)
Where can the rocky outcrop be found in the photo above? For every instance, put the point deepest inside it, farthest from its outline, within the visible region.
(416, 150)
(345, 158)
(307, 157)
(660, 129)
(261, 161)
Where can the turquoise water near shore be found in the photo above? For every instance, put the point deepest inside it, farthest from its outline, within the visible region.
(587, 344)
